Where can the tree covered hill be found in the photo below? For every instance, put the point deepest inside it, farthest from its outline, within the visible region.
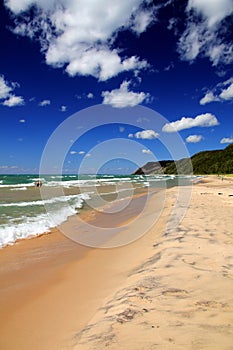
(206, 162)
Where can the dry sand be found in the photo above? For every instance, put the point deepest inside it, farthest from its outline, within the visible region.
(171, 289)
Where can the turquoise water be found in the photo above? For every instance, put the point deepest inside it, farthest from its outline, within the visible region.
(23, 212)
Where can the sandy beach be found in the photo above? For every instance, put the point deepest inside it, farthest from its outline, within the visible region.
(170, 289)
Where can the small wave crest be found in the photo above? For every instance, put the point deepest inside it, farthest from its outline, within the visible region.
(61, 199)
(42, 223)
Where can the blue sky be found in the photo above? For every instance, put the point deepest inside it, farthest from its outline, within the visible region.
(60, 57)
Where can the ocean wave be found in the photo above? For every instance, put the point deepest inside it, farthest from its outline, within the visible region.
(77, 197)
(19, 189)
(42, 223)
(30, 184)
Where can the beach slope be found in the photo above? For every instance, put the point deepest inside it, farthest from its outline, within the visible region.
(171, 289)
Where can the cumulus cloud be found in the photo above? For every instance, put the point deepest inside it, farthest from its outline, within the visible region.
(145, 135)
(122, 97)
(209, 97)
(227, 94)
(81, 153)
(44, 103)
(227, 140)
(194, 138)
(13, 101)
(146, 151)
(205, 31)
(80, 35)
(5, 88)
(202, 120)
(90, 95)
(222, 92)
(73, 152)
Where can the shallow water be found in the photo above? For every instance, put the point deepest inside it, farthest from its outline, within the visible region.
(24, 207)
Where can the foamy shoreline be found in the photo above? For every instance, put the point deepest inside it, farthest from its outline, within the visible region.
(166, 290)
(30, 211)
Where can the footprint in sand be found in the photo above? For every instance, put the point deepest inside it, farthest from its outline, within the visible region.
(174, 292)
(211, 304)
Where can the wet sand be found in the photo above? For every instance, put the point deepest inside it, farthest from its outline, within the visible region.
(52, 286)
(170, 289)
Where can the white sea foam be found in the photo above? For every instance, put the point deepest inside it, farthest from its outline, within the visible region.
(47, 201)
(19, 189)
(42, 223)
(37, 179)
(18, 185)
(86, 183)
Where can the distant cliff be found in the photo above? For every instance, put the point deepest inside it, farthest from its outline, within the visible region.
(154, 167)
(206, 162)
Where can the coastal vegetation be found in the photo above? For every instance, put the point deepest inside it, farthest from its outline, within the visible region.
(206, 162)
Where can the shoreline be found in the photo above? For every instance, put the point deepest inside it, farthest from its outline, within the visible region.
(85, 212)
(53, 300)
(51, 258)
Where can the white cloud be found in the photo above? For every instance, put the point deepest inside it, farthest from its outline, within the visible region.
(5, 88)
(63, 108)
(204, 33)
(213, 10)
(146, 151)
(227, 140)
(227, 94)
(202, 120)
(122, 97)
(172, 24)
(79, 35)
(121, 128)
(90, 95)
(81, 153)
(194, 138)
(5, 93)
(146, 135)
(73, 152)
(44, 103)
(130, 136)
(101, 63)
(222, 92)
(142, 20)
(227, 82)
(22, 121)
(209, 97)
(13, 101)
